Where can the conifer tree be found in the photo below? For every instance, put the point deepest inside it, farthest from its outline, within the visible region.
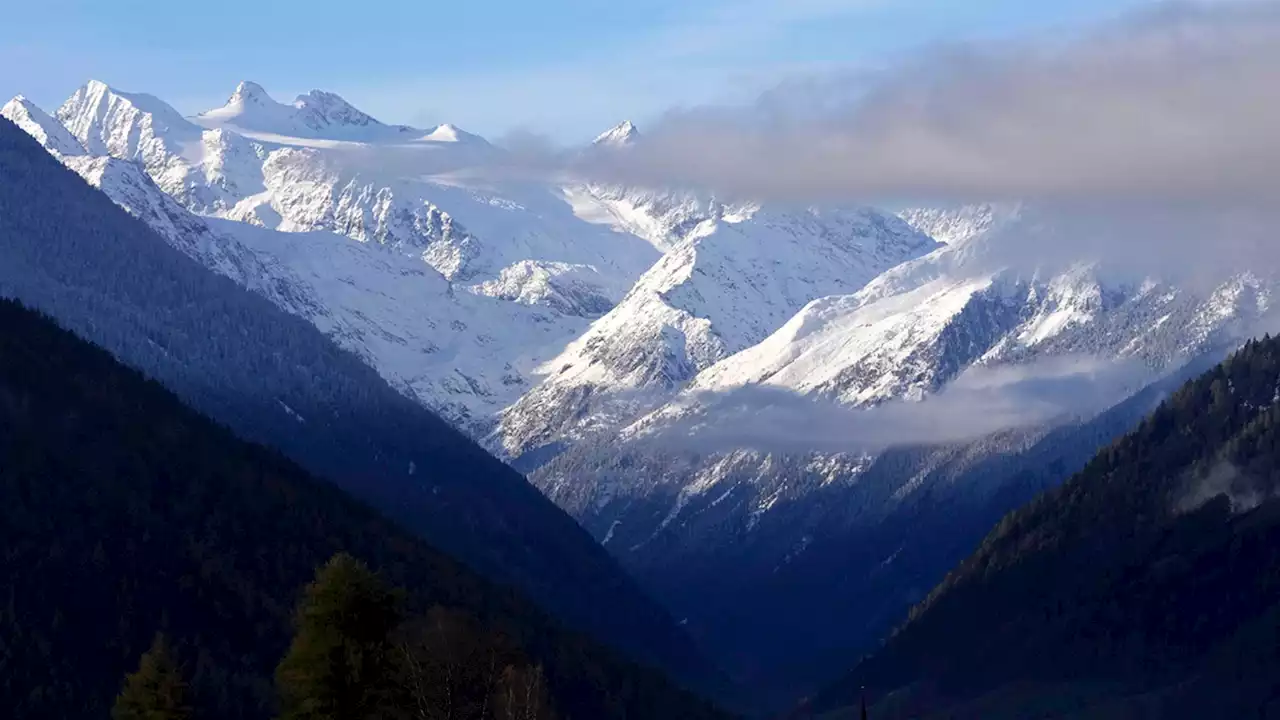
(156, 690)
(339, 663)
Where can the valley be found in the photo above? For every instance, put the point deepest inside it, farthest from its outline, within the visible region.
(781, 407)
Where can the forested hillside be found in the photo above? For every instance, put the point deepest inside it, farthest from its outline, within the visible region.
(273, 378)
(1147, 586)
(123, 514)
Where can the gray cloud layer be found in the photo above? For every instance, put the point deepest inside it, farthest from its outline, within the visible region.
(980, 402)
(1177, 103)
(1174, 104)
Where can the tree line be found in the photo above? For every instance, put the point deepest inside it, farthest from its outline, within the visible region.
(124, 512)
(357, 655)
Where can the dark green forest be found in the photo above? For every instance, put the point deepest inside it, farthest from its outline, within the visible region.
(1146, 586)
(124, 514)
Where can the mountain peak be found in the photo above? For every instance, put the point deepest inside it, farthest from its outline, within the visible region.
(323, 109)
(249, 92)
(106, 120)
(40, 125)
(620, 135)
(450, 133)
(92, 91)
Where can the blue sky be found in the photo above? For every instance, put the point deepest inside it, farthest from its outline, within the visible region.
(560, 67)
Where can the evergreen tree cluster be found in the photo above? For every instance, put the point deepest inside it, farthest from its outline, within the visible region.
(356, 657)
(156, 690)
(1148, 585)
(124, 513)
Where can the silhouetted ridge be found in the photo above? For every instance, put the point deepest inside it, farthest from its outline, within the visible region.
(1148, 585)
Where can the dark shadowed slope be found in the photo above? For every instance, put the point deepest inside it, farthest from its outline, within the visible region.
(124, 513)
(856, 580)
(273, 378)
(1147, 586)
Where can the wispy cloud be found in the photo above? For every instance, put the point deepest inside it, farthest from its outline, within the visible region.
(978, 403)
(1243, 493)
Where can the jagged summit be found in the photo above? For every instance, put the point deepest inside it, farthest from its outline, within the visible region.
(96, 87)
(92, 101)
(620, 135)
(320, 109)
(126, 125)
(249, 92)
(40, 125)
(316, 115)
(94, 92)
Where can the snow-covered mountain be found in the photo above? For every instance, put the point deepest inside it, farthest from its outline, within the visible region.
(956, 224)
(733, 274)
(47, 131)
(624, 134)
(455, 315)
(128, 185)
(581, 328)
(511, 272)
(371, 301)
(317, 115)
(717, 495)
(465, 294)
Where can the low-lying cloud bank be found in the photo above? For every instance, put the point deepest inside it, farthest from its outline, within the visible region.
(980, 402)
(1176, 103)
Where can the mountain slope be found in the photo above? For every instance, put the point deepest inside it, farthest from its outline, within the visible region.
(47, 131)
(274, 378)
(955, 225)
(731, 275)
(550, 260)
(511, 271)
(124, 513)
(762, 496)
(1147, 583)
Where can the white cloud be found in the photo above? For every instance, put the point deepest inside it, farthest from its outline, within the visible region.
(980, 402)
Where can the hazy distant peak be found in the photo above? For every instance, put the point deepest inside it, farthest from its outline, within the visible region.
(620, 135)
